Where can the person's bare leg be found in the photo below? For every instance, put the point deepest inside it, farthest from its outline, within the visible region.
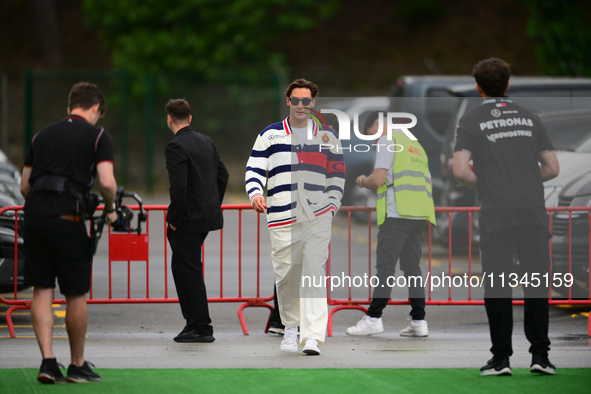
(76, 324)
(42, 318)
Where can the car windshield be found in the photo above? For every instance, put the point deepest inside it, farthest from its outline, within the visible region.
(566, 131)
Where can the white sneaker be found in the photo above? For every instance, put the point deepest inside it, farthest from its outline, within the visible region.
(366, 327)
(289, 343)
(416, 328)
(311, 347)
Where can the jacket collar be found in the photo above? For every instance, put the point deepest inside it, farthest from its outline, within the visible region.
(287, 127)
(76, 117)
(184, 129)
(491, 100)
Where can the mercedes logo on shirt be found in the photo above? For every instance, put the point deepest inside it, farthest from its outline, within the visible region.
(496, 113)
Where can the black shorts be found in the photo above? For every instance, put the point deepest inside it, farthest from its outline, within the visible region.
(57, 248)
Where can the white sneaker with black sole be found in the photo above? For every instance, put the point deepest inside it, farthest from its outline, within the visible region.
(311, 347)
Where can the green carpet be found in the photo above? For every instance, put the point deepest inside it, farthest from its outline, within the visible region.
(284, 381)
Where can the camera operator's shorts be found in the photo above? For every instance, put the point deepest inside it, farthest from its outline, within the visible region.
(57, 248)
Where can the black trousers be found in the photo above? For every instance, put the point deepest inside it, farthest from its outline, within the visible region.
(399, 239)
(187, 271)
(530, 244)
(275, 315)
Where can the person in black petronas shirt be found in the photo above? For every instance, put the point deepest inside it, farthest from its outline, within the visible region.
(512, 155)
(59, 171)
(198, 180)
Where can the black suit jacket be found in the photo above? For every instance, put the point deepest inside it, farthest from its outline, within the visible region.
(198, 180)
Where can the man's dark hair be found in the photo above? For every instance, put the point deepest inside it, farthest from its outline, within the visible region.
(302, 83)
(370, 120)
(85, 95)
(492, 75)
(331, 121)
(179, 110)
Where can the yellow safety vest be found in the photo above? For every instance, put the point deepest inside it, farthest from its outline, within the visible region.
(412, 185)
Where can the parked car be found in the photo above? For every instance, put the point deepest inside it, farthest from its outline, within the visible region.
(573, 256)
(7, 248)
(538, 94)
(10, 169)
(10, 195)
(428, 98)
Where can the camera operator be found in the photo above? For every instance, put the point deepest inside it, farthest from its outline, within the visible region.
(58, 173)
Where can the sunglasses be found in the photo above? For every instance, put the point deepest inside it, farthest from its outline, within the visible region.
(296, 100)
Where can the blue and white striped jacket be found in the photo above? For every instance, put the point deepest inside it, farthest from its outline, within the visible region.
(308, 180)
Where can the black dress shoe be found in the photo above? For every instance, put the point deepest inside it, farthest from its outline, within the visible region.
(193, 336)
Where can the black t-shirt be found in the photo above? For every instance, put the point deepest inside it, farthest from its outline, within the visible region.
(505, 141)
(69, 148)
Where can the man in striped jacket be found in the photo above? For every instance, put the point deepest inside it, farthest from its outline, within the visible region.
(300, 162)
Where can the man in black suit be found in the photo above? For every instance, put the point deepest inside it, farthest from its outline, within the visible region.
(198, 180)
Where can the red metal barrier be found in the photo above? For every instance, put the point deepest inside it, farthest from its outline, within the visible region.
(141, 256)
(357, 303)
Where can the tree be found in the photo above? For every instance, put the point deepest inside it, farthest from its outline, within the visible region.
(563, 32)
(47, 31)
(204, 39)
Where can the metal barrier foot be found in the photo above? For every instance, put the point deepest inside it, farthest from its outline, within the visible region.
(9, 316)
(257, 302)
(338, 308)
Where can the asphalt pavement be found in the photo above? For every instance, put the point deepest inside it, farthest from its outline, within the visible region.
(141, 336)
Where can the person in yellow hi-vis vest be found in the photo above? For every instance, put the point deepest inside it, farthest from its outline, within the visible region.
(404, 206)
